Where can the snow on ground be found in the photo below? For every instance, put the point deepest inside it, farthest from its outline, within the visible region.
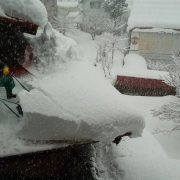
(67, 4)
(135, 66)
(10, 144)
(160, 129)
(73, 100)
(79, 104)
(155, 155)
(31, 10)
(88, 49)
(134, 62)
(144, 159)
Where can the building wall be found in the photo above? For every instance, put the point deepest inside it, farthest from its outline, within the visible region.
(155, 44)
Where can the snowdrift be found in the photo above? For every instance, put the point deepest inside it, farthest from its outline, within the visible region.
(135, 66)
(31, 10)
(76, 103)
(71, 101)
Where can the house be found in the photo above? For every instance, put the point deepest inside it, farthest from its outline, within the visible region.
(51, 7)
(155, 29)
(93, 14)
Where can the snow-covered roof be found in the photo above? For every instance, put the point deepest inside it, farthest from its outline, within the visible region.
(135, 66)
(155, 13)
(31, 10)
(75, 101)
(157, 30)
(84, 106)
(68, 4)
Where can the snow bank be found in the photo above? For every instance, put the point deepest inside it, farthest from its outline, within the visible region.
(51, 48)
(135, 66)
(134, 62)
(10, 144)
(157, 30)
(68, 4)
(144, 159)
(155, 13)
(77, 103)
(31, 10)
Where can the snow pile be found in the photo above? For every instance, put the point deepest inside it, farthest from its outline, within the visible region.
(155, 13)
(10, 144)
(30, 10)
(135, 66)
(68, 4)
(134, 62)
(51, 48)
(77, 103)
(143, 158)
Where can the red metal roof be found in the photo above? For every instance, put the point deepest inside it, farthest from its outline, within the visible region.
(143, 86)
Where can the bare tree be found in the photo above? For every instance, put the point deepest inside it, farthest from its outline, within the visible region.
(96, 24)
(171, 111)
(108, 45)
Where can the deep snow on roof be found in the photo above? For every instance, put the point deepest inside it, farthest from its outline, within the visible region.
(155, 13)
(29, 10)
(135, 66)
(67, 4)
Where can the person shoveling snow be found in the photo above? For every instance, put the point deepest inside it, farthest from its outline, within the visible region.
(7, 82)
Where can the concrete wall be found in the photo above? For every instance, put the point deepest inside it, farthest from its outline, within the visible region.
(155, 44)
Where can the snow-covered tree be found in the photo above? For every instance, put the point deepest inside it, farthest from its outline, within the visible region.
(96, 24)
(171, 111)
(173, 67)
(116, 10)
(108, 45)
(175, 73)
(61, 23)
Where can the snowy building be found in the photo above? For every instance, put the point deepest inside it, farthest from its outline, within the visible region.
(51, 6)
(93, 14)
(155, 29)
